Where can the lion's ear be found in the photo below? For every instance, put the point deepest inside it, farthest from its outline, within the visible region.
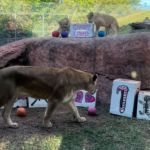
(95, 76)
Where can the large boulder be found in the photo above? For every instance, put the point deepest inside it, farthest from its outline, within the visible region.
(60, 52)
(112, 57)
(14, 53)
(119, 57)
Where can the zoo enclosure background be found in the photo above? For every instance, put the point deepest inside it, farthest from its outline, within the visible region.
(22, 20)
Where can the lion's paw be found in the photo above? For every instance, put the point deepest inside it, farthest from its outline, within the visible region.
(82, 119)
(47, 124)
(14, 125)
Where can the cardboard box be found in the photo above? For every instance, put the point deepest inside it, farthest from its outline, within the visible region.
(21, 103)
(143, 105)
(82, 30)
(123, 96)
(37, 102)
(85, 99)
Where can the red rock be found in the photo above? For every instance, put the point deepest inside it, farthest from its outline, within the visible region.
(113, 57)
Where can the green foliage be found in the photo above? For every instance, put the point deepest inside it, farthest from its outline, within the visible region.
(134, 17)
(41, 16)
(88, 2)
(108, 2)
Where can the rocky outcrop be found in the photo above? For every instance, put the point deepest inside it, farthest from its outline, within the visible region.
(118, 57)
(59, 52)
(111, 57)
(14, 53)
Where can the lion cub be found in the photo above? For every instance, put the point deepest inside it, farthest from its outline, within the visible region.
(56, 85)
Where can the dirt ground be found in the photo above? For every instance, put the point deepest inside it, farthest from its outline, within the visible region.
(101, 132)
(31, 125)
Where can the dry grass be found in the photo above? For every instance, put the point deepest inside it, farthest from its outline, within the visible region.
(135, 17)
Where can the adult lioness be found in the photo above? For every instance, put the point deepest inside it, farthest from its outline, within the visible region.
(109, 22)
(56, 85)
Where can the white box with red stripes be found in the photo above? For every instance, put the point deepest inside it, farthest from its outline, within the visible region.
(123, 96)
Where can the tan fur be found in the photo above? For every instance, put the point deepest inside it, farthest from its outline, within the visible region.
(64, 25)
(146, 20)
(109, 22)
(53, 84)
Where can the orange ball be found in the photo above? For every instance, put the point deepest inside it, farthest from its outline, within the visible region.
(21, 112)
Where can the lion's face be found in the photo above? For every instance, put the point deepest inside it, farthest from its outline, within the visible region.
(90, 17)
(64, 24)
(91, 85)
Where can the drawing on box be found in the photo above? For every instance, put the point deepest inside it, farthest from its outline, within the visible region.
(89, 98)
(124, 92)
(33, 103)
(146, 106)
(79, 97)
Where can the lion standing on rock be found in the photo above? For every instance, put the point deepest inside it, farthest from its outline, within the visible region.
(56, 85)
(109, 22)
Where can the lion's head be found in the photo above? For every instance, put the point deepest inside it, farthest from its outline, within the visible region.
(81, 80)
(90, 17)
(90, 84)
(64, 25)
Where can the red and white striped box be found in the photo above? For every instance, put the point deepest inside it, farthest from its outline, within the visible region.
(123, 96)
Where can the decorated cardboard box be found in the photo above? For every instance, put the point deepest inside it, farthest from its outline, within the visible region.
(37, 102)
(123, 96)
(82, 30)
(85, 99)
(143, 105)
(21, 102)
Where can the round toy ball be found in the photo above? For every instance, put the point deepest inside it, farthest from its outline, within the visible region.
(21, 112)
(92, 111)
(55, 34)
(101, 33)
(64, 34)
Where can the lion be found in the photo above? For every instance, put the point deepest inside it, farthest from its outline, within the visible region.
(64, 25)
(58, 85)
(147, 20)
(109, 22)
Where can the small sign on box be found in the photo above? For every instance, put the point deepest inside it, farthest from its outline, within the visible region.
(37, 102)
(143, 105)
(85, 99)
(82, 30)
(123, 96)
(81, 33)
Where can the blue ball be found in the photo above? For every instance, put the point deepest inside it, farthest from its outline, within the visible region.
(101, 33)
(64, 34)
